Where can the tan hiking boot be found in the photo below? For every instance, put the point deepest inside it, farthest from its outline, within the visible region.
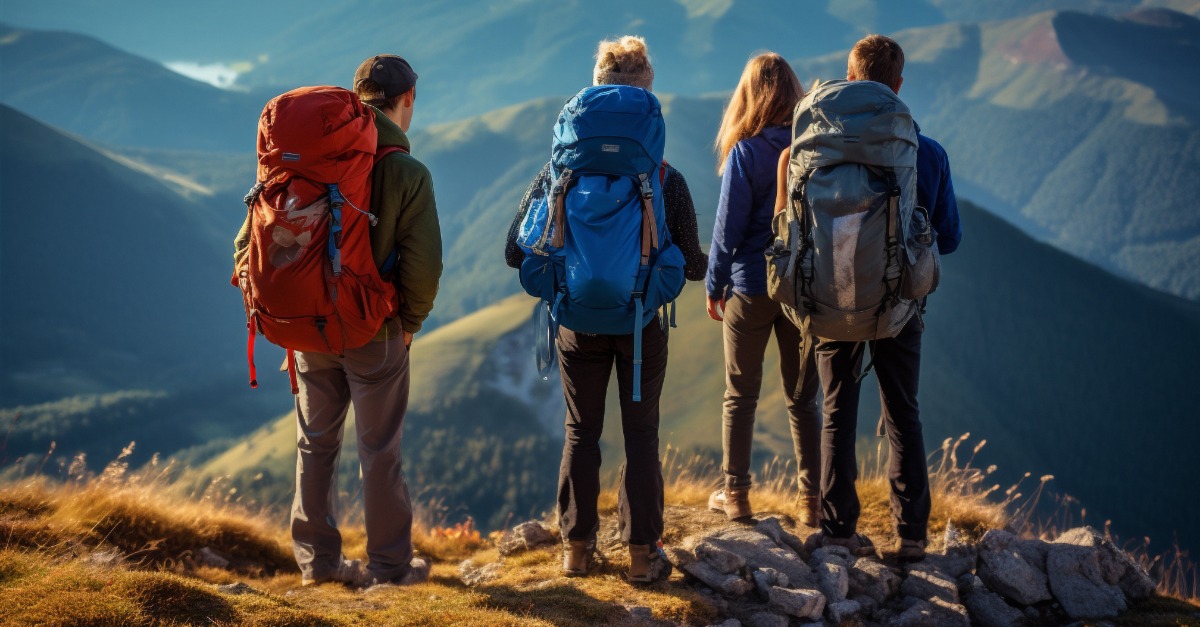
(911, 550)
(648, 563)
(810, 511)
(578, 557)
(735, 502)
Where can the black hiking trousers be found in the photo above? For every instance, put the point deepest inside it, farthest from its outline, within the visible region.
(586, 363)
(898, 369)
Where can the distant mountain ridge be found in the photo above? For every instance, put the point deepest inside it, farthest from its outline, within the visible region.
(90, 88)
(1083, 129)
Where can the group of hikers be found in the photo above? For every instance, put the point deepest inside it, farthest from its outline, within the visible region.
(832, 213)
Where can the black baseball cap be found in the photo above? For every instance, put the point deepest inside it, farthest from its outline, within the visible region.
(391, 72)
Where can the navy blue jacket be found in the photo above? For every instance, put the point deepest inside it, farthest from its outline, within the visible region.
(743, 226)
(935, 192)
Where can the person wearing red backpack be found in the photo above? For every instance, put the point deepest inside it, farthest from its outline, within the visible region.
(405, 244)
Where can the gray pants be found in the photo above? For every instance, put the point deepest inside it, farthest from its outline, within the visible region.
(375, 379)
(749, 321)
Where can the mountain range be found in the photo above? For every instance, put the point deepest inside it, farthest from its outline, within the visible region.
(117, 320)
(127, 328)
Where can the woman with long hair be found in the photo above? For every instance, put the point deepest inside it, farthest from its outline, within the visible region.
(756, 127)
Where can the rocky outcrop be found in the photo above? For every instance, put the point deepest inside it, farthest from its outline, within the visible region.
(759, 574)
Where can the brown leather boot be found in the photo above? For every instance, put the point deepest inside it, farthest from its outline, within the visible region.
(578, 557)
(648, 563)
(735, 502)
(810, 511)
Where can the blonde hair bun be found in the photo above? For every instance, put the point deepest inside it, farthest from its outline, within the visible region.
(623, 61)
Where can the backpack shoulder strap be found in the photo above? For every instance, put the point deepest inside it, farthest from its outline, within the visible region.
(387, 150)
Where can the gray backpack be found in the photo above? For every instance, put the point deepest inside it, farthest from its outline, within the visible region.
(853, 255)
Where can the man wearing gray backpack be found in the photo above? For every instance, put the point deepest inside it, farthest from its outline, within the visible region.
(866, 206)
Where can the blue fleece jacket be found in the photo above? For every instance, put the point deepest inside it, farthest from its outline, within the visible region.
(935, 192)
(743, 226)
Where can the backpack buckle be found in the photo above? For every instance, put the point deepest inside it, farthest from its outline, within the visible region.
(647, 190)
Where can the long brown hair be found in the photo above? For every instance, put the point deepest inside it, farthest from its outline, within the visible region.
(765, 96)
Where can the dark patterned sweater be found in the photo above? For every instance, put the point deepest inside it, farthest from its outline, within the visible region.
(681, 221)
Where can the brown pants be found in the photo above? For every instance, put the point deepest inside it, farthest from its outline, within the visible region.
(749, 321)
(375, 379)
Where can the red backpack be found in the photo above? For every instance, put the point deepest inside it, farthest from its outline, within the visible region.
(309, 279)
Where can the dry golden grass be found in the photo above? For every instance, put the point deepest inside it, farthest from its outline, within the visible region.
(57, 541)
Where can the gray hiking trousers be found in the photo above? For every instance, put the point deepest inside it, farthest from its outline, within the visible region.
(749, 322)
(375, 379)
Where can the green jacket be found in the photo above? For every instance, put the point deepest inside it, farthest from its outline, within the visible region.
(402, 199)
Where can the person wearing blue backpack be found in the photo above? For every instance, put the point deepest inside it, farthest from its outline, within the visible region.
(606, 235)
(756, 126)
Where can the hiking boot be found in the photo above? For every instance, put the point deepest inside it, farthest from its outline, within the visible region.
(810, 511)
(349, 572)
(911, 550)
(579, 557)
(418, 572)
(648, 563)
(858, 544)
(735, 502)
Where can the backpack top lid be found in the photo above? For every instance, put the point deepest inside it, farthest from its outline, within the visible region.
(319, 133)
(853, 122)
(609, 129)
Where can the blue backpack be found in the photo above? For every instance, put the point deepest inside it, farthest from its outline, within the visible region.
(596, 244)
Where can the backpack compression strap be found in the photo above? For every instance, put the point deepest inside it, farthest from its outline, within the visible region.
(649, 244)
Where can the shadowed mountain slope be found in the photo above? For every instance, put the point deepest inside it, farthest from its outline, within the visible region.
(111, 285)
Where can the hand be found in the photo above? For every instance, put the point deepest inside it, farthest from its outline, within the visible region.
(408, 337)
(716, 307)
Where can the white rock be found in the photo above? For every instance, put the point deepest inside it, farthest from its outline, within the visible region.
(833, 579)
(1003, 569)
(523, 537)
(935, 613)
(843, 611)
(926, 582)
(988, 609)
(1117, 567)
(1078, 584)
(872, 578)
(801, 603)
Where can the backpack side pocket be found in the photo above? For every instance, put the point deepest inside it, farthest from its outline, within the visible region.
(666, 278)
(924, 268)
(541, 275)
(781, 262)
